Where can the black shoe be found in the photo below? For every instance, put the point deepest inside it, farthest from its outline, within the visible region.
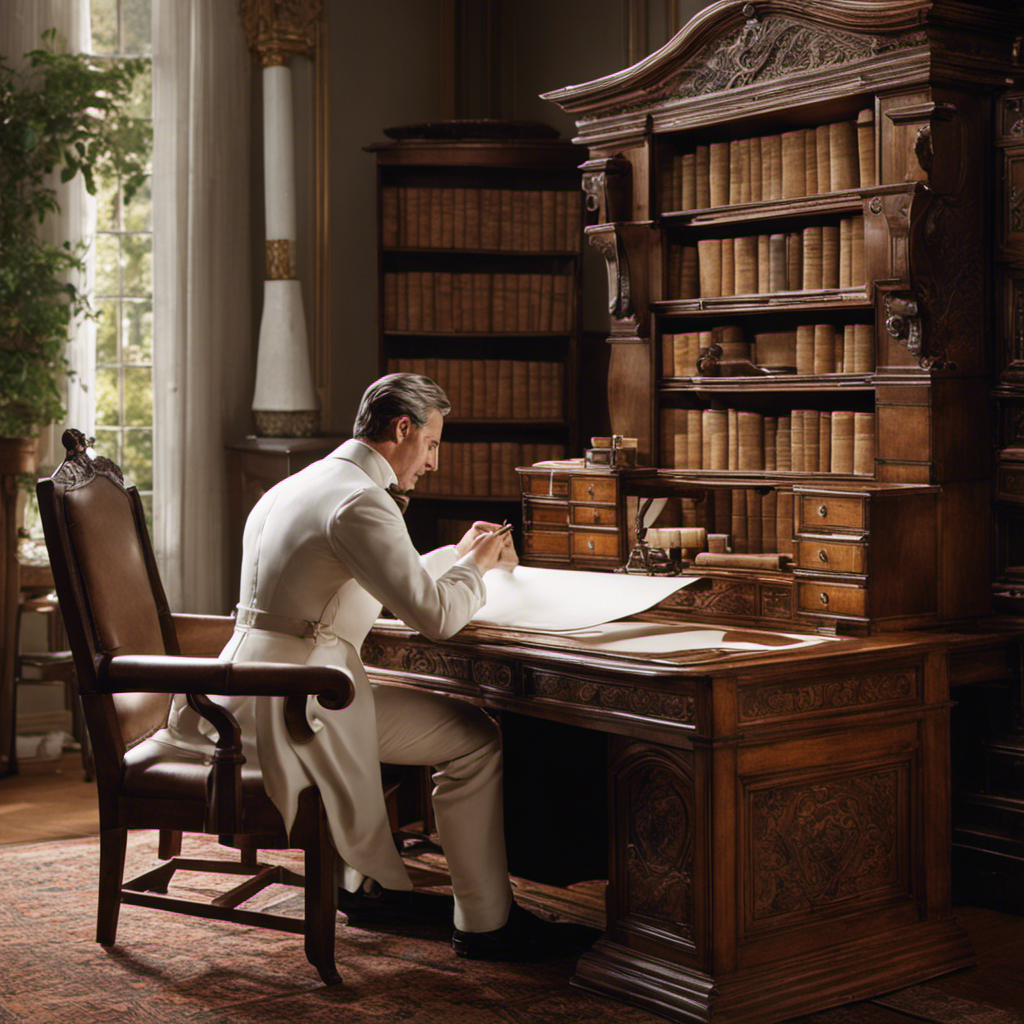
(524, 937)
(393, 909)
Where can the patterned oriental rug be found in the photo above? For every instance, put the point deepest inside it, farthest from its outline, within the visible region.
(171, 969)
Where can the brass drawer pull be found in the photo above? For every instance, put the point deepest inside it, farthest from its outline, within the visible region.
(823, 598)
(590, 545)
(597, 515)
(822, 555)
(590, 490)
(823, 511)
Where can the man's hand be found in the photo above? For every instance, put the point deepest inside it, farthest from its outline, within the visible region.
(490, 546)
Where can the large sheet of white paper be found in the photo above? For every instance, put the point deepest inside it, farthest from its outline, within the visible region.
(563, 600)
(672, 638)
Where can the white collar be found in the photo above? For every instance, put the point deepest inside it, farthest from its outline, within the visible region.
(368, 459)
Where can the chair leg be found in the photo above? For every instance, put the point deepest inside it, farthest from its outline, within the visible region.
(112, 848)
(169, 845)
(321, 895)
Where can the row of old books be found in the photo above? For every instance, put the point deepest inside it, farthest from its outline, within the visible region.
(805, 441)
(489, 389)
(808, 349)
(818, 256)
(478, 302)
(502, 219)
(803, 162)
(481, 469)
(754, 523)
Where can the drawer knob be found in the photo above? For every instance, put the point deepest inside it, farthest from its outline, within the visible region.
(596, 515)
(590, 545)
(822, 555)
(823, 510)
(823, 598)
(590, 490)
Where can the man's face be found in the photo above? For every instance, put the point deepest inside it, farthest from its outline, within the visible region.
(416, 450)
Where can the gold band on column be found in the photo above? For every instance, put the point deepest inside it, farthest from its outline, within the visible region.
(280, 259)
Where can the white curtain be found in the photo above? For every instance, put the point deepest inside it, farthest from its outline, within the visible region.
(202, 289)
(22, 23)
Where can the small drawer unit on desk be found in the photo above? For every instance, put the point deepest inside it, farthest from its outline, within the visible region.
(596, 518)
(545, 517)
(867, 558)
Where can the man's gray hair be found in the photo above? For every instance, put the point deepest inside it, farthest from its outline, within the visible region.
(396, 395)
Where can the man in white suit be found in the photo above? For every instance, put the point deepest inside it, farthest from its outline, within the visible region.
(322, 552)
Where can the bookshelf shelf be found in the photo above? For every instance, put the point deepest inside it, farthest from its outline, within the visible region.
(479, 288)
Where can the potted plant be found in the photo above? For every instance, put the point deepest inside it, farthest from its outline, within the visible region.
(68, 114)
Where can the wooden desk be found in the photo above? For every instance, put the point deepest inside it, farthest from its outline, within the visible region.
(779, 824)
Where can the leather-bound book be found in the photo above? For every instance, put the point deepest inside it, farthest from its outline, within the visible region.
(668, 355)
(728, 266)
(731, 339)
(520, 389)
(812, 257)
(775, 348)
(689, 285)
(823, 160)
(858, 274)
(443, 320)
(794, 158)
(746, 264)
(534, 220)
(674, 275)
(715, 439)
(563, 229)
(390, 301)
(403, 215)
(436, 217)
(481, 302)
(794, 259)
(805, 348)
(750, 440)
(389, 216)
(547, 303)
(688, 182)
(866, 147)
(447, 218)
(756, 170)
(736, 170)
(503, 406)
(559, 407)
(686, 351)
(458, 218)
(427, 285)
(491, 379)
(864, 443)
(733, 434)
(771, 432)
(778, 263)
(721, 516)
(679, 439)
(702, 175)
(415, 281)
(845, 252)
(784, 444)
(771, 166)
(739, 521)
(481, 468)
(744, 171)
(517, 220)
(844, 161)
(811, 163)
(709, 253)
(425, 218)
(824, 348)
(412, 216)
(562, 299)
(478, 406)
(547, 221)
(755, 524)
(812, 438)
(784, 523)
(666, 450)
(863, 348)
(842, 441)
(825, 442)
(719, 173)
(769, 524)
(797, 435)
(694, 439)
(830, 256)
(535, 289)
(764, 282)
(473, 218)
(494, 204)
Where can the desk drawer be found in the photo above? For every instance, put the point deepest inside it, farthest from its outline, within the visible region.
(547, 514)
(591, 544)
(550, 484)
(594, 515)
(594, 488)
(546, 542)
(831, 599)
(829, 555)
(827, 512)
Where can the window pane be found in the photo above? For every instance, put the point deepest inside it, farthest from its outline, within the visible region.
(108, 261)
(137, 462)
(137, 331)
(136, 26)
(106, 444)
(106, 332)
(138, 265)
(141, 105)
(103, 18)
(108, 398)
(138, 396)
(108, 199)
(138, 214)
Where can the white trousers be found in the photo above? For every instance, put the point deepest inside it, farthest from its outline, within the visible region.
(463, 745)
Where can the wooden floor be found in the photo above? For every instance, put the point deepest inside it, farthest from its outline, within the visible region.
(50, 800)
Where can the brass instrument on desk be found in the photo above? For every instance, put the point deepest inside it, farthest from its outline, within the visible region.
(663, 558)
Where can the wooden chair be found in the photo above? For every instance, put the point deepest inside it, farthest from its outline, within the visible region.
(131, 655)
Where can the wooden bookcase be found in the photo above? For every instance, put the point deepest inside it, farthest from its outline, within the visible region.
(480, 231)
(795, 207)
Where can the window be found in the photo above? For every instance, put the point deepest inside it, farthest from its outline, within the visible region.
(123, 292)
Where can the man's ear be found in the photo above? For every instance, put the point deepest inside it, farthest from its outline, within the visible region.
(400, 428)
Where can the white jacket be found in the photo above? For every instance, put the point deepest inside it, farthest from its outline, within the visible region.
(329, 545)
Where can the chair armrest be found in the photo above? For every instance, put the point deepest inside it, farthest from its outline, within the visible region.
(161, 673)
(203, 636)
